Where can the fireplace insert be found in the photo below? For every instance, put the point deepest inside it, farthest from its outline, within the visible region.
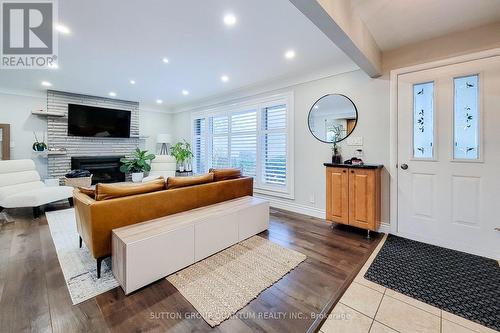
(104, 169)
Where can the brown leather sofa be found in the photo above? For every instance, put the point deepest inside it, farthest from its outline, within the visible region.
(96, 219)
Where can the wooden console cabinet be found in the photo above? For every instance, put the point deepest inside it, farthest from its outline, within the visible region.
(353, 195)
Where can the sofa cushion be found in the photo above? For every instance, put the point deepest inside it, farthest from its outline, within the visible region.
(177, 182)
(225, 174)
(88, 191)
(110, 191)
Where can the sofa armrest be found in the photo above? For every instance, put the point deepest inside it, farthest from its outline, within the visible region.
(83, 214)
(82, 197)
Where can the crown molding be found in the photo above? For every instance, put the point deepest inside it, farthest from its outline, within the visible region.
(281, 83)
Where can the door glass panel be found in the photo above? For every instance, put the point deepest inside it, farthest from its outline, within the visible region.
(466, 118)
(423, 120)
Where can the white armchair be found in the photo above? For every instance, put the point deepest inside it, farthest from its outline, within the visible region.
(20, 186)
(162, 165)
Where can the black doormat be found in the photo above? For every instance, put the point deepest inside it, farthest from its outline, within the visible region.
(463, 284)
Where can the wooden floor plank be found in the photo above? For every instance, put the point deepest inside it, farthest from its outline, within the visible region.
(6, 236)
(29, 260)
(24, 304)
(66, 317)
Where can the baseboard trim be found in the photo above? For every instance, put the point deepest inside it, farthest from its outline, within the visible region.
(308, 210)
(293, 207)
(385, 228)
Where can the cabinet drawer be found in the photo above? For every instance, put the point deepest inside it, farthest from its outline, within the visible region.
(151, 259)
(214, 235)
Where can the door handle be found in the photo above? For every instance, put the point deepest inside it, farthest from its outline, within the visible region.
(404, 166)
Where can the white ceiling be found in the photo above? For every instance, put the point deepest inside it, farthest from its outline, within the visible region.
(114, 41)
(394, 23)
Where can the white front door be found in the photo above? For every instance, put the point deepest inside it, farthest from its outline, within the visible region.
(449, 156)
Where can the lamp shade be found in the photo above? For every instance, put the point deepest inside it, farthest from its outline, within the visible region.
(164, 138)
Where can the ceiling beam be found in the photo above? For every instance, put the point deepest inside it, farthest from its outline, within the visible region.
(337, 20)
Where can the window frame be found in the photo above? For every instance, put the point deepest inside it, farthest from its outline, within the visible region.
(480, 123)
(435, 143)
(257, 104)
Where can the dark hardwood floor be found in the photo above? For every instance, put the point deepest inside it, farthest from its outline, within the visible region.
(34, 297)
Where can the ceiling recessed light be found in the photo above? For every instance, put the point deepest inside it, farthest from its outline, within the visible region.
(62, 29)
(290, 54)
(316, 106)
(165, 60)
(112, 94)
(46, 84)
(229, 20)
(132, 81)
(224, 78)
(185, 92)
(159, 101)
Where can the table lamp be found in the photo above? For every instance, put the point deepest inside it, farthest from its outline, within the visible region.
(165, 140)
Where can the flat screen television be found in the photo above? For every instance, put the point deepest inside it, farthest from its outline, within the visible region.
(93, 121)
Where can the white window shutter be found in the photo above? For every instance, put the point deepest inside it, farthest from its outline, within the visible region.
(199, 145)
(253, 137)
(244, 142)
(274, 146)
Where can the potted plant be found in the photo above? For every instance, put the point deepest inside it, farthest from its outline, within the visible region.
(182, 152)
(137, 164)
(39, 145)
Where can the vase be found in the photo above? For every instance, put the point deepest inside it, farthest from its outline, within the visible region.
(181, 167)
(187, 166)
(336, 159)
(39, 146)
(137, 177)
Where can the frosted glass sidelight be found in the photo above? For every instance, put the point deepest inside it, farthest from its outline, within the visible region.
(466, 118)
(423, 120)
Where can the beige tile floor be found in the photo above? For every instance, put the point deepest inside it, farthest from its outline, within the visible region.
(369, 307)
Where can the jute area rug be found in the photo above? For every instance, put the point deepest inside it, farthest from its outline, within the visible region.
(224, 283)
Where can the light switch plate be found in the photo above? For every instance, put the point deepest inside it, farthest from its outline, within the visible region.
(355, 141)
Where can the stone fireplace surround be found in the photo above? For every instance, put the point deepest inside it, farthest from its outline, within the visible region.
(57, 131)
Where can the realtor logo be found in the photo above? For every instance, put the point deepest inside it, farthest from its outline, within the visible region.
(28, 37)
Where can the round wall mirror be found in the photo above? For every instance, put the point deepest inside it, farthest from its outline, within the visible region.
(332, 118)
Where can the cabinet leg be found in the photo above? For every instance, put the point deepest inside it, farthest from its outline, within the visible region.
(368, 234)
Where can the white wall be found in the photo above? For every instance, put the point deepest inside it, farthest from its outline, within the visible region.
(371, 97)
(182, 126)
(151, 123)
(16, 111)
